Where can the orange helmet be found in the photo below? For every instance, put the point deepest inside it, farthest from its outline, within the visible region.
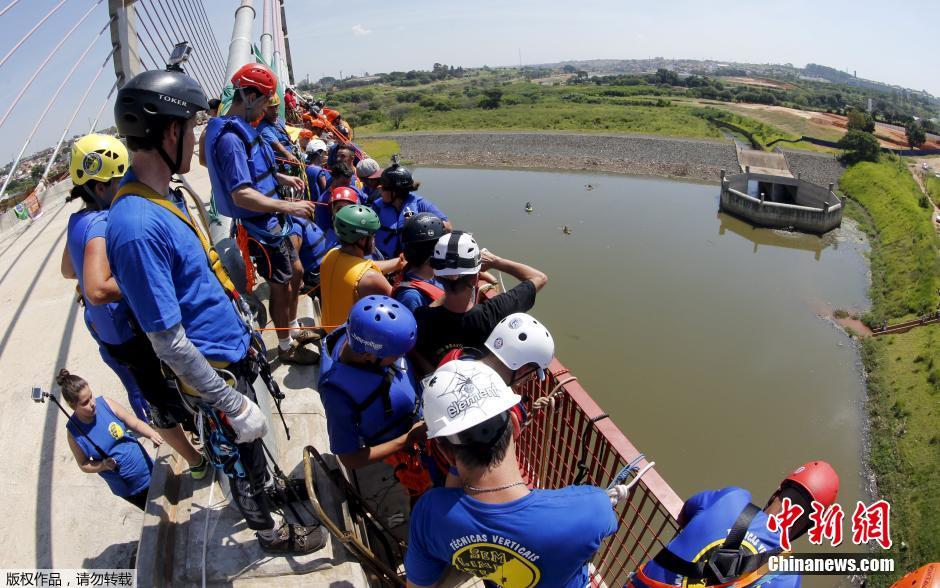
(306, 134)
(344, 194)
(927, 576)
(257, 76)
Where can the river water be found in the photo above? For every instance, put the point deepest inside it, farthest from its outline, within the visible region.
(698, 334)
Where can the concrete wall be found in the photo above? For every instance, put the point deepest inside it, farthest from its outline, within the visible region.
(780, 216)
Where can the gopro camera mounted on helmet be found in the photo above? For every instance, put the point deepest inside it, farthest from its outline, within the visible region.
(179, 56)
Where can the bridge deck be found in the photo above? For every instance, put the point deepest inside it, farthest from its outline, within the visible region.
(764, 162)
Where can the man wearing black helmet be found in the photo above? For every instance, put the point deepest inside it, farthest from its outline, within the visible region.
(397, 204)
(418, 286)
(182, 300)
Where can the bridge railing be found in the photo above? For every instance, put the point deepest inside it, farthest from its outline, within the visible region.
(575, 437)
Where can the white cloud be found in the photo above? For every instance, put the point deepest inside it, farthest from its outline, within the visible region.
(360, 30)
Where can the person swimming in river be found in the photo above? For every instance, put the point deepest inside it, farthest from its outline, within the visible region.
(528, 207)
(566, 230)
(589, 187)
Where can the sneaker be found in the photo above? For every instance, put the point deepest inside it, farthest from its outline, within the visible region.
(305, 336)
(298, 355)
(294, 539)
(281, 493)
(198, 472)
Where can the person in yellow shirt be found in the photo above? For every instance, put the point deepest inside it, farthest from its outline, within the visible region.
(346, 275)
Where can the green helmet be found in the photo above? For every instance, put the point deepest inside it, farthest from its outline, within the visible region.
(355, 222)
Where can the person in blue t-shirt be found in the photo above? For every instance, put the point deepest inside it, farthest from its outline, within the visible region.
(97, 164)
(418, 286)
(706, 524)
(493, 527)
(273, 130)
(163, 270)
(369, 172)
(311, 244)
(342, 175)
(245, 183)
(398, 203)
(104, 423)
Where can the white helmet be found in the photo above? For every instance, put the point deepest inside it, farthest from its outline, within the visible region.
(463, 394)
(316, 145)
(519, 340)
(456, 254)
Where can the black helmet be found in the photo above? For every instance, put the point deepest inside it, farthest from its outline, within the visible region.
(422, 227)
(148, 100)
(396, 177)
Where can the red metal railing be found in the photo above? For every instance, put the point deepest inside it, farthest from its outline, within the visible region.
(575, 436)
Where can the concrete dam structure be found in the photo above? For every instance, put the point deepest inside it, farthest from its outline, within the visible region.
(767, 195)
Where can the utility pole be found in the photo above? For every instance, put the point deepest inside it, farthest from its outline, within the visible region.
(267, 38)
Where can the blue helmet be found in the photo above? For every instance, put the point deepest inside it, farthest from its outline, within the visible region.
(381, 326)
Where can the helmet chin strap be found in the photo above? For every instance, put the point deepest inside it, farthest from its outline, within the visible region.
(174, 165)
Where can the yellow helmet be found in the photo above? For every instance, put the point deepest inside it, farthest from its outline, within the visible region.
(97, 157)
(274, 100)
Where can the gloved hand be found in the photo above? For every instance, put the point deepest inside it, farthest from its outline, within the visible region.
(249, 424)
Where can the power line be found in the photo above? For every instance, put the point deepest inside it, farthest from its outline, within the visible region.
(46, 61)
(31, 31)
(53, 100)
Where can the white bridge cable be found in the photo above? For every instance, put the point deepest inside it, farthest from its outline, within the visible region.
(204, 52)
(31, 31)
(146, 47)
(103, 104)
(210, 44)
(81, 102)
(166, 45)
(199, 9)
(48, 58)
(8, 6)
(198, 58)
(53, 100)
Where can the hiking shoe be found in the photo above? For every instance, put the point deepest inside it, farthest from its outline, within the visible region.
(298, 355)
(281, 493)
(305, 336)
(294, 539)
(198, 472)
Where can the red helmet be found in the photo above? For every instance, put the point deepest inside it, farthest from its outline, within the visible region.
(927, 576)
(818, 479)
(257, 76)
(344, 194)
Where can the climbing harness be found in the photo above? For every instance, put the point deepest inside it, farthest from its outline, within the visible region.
(723, 565)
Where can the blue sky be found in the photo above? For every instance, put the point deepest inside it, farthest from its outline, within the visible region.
(370, 36)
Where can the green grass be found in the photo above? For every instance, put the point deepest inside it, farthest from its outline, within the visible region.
(526, 106)
(904, 263)
(904, 415)
(380, 150)
(903, 370)
(671, 121)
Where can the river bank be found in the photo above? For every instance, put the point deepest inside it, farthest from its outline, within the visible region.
(686, 159)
